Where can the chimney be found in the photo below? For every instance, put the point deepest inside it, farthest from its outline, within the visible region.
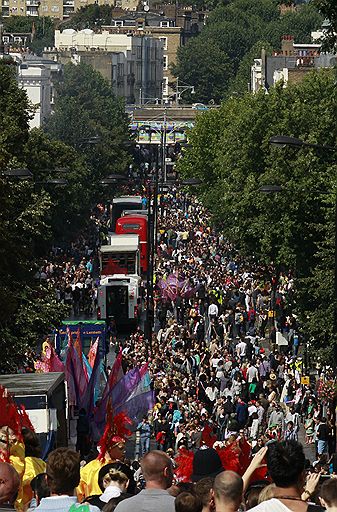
(263, 68)
(287, 45)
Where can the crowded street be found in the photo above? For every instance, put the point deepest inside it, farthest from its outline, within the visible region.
(223, 379)
(168, 256)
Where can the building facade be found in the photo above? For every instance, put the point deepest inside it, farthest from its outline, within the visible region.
(289, 65)
(173, 26)
(60, 9)
(35, 79)
(132, 64)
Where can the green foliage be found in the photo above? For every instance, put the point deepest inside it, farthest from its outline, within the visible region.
(15, 115)
(90, 16)
(242, 78)
(24, 228)
(42, 25)
(328, 9)
(203, 63)
(299, 24)
(86, 107)
(232, 33)
(230, 153)
(71, 203)
(37, 312)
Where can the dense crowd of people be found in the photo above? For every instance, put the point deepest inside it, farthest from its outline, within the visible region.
(218, 372)
(215, 360)
(70, 272)
(226, 368)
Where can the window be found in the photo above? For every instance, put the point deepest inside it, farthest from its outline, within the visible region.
(164, 24)
(165, 86)
(165, 62)
(114, 72)
(119, 23)
(120, 70)
(118, 263)
(5, 39)
(164, 42)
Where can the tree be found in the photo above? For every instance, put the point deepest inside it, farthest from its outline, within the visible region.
(231, 32)
(71, 203)
(295, 228)
(23, 227)
(15, 115)
(242, 78)
(91, 16)
(204, 64)
(299, 24)
(328, 9)
(86, 108)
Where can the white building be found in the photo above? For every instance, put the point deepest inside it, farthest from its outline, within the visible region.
(35, 79)
(132, 64)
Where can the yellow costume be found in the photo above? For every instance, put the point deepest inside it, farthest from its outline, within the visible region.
(89, 479)
(45, 345)
(17, 459)
(34, 466)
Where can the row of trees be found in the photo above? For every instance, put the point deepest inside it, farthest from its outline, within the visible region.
(230, 152)
(35, 216)
(217, 62)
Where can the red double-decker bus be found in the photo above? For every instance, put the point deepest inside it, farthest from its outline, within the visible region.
(136, 225)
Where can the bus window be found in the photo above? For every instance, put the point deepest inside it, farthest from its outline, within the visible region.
(116, 263)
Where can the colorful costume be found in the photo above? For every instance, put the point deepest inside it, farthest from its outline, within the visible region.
(12, 419)
(33, 467)
(115, 432)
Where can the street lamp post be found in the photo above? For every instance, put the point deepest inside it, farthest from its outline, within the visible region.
(283, 141)
(152, 198)
(273, 189)
(152, 242)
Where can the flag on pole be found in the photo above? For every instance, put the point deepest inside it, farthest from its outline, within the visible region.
(78, 344)
(86, 368)
(124, 389)
(115, 375)
(49, 362)
(90, 396)
(92, 352)
(69, 372)
(55, 365)
(74, 373)
(142, 400)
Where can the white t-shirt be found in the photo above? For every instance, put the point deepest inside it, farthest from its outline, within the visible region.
(213, 309)
(251, 409)
(252, 373)
(241, 348)
(272, 505)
